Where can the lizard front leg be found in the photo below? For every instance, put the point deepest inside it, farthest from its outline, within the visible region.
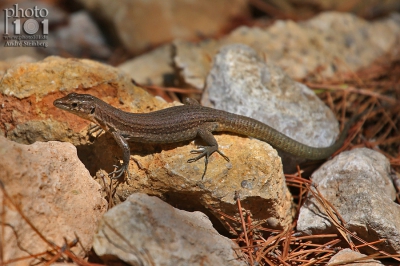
(206, 151)
(123, 144)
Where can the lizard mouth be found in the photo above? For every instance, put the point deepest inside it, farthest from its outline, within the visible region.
(60, 104)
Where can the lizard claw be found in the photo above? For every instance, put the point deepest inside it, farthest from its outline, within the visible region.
(201, 149)
(223, 155)
(120, 170)
(205, 151)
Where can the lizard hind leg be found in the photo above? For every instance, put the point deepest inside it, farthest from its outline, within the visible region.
(206, 151)
(123, 168)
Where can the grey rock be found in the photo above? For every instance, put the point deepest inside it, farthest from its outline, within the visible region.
(79, 37)
(145, 230)
(358, 185)
(241, 82)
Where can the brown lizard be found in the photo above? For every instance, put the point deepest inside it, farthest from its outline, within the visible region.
(186, 122)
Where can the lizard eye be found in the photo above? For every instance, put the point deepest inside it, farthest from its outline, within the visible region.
(92, 110)
(74, 105)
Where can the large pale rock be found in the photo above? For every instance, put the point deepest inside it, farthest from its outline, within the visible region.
(142, 24)
(357, 183)
(254, 171)
(241, 82)
(324, 46)
(147, 231)
(55, 193)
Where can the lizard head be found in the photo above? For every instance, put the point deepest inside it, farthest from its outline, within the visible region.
(83, 105)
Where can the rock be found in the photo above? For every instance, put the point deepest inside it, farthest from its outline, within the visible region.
(325, 46)
(255, 170)
(146, 231)
(153, 68)
(186, 53)
(347, 254)
(140, 25)
(80, 37)
(241, 82)
(9, 63)
(27, 92)
(54, 191)
(357, 183)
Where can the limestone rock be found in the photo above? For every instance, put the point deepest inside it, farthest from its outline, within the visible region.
(254, 171)
(54, 191)
(241, 82)
(146, 231)
(357, 183)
